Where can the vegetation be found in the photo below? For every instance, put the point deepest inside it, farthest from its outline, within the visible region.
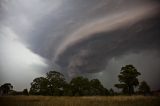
(128, 79)
(54, 84)
(25, 92)
(5, 88)
(80, 91)
(80, 101)
(144, 88)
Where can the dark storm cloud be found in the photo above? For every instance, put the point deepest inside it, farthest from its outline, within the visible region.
(55, 27)
(78, 36)
(1, 11)
(92, 54)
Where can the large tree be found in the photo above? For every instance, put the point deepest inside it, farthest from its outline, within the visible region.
(39, 86)
(128, 79)
(56, 83)
(5, 88)
(80, 86)
(53, 84)
(96, 88)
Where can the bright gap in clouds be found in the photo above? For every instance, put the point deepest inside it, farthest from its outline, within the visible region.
(18, 64)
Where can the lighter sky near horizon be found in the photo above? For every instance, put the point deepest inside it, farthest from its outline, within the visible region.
(92, 38)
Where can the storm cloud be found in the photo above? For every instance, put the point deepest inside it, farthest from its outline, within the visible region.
(93, 47)
(93, 38)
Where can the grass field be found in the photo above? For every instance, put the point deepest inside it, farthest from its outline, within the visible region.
(80, 101)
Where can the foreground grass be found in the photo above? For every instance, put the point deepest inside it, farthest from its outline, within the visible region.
(80, 101)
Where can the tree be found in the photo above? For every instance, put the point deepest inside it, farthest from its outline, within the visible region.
(111, 92)
(25, 92)
(56, 83)
(80, 86)
(144, 88)
(128, 79)
(67, 90)
(96, 88)
(53, 84)
(5, 88)
(39, 86)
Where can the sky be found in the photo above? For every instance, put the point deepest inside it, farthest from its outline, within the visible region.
(92, 38)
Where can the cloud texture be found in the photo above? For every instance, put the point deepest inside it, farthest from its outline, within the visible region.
(85, 37)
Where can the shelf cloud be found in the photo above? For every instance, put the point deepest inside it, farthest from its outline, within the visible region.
(94, 38)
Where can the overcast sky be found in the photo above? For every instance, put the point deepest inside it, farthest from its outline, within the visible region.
(93, 38)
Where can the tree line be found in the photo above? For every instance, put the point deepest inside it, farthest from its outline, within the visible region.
(55, 84)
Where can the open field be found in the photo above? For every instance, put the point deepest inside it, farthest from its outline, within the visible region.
(80, 101)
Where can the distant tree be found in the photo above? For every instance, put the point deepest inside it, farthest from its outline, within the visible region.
(39, 86)
(106, 91)
(80, 86)
(111, 92)
(96, 88)
(144, 88)
(56, 83)
(5, 88)
(25, 92)
(128, 78)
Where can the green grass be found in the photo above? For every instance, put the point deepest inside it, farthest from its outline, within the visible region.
(80, 101)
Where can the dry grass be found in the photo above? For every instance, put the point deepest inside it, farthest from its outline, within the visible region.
(80, 101)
